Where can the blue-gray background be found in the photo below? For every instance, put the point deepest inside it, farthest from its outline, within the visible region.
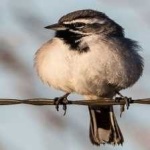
(41, 127)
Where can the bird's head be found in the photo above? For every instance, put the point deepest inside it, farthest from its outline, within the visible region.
(86, 22)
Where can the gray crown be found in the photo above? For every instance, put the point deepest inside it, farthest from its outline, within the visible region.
(87, 13)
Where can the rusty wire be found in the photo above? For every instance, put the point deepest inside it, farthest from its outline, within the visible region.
(46, 101)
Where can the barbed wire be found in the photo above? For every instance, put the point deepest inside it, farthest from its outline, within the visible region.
(99, 102)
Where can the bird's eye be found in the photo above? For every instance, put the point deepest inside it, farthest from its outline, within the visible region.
(79, 25)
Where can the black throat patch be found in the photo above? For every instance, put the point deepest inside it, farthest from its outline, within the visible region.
(73, 40)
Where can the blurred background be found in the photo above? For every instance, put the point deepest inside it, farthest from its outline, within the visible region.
(24, 127)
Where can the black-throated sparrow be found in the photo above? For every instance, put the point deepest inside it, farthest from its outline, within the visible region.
(90, 55)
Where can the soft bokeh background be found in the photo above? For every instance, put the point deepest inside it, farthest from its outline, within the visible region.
(41, 127)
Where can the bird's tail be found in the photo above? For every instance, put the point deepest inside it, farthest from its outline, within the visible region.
(104, 127)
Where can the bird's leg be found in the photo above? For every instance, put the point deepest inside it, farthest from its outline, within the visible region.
(61, 100)
(127, 100)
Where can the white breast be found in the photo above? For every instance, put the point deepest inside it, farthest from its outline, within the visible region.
(70, 70)
(54, 64)
(85, 73)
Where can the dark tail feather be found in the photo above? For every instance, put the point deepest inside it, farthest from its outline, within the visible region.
(104, 127)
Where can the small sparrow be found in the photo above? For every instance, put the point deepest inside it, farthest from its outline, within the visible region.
(91, 56)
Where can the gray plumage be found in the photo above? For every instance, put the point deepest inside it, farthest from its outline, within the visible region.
(91, 56)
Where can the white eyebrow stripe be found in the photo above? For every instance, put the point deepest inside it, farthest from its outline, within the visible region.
(86, 21)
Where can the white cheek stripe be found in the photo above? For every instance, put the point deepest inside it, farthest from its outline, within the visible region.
(86, 21)
(79, 32)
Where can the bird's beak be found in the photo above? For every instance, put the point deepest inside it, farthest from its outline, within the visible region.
(57, 27)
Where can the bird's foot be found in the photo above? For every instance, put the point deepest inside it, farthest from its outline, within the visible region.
(61, 100)
(127, 102)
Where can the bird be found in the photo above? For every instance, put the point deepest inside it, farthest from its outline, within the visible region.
(91, 56)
